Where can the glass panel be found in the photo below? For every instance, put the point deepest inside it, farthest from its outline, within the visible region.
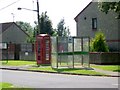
(39, 47)
(86, 44)
(23, 47)
(63, 60)
(70, 47)
(70, 57)
(62, 49)
(64, 57)
(47, 49)
(77, 61)
(94, 23)
(70, 61)
(29, 47)
(54, 52)
(86, 60)
(62, 44)
(77, 44)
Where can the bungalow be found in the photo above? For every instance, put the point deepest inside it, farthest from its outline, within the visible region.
(12, 33)
(91, 19)
(11, 36)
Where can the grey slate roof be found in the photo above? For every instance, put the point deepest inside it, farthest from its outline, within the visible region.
(6, 25)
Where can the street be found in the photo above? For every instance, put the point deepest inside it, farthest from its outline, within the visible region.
(48, 80)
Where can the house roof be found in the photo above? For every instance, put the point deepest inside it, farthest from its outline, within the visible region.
(6, 25)
(82, 11)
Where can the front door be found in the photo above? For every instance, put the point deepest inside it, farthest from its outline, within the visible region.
(17, 50)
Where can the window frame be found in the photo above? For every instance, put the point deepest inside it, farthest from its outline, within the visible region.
(94, 23)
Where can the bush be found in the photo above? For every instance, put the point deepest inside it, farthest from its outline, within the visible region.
(98, 44)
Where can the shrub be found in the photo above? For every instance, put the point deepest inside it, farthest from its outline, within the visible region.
(98, 44)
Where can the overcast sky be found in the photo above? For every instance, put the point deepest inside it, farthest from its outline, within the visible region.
(56, 10)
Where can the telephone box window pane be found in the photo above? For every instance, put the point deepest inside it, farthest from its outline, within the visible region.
(38, 47)
(47, 49)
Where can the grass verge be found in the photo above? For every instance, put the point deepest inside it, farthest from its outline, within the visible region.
(17, 62)
(6, 85)
(113, 68)
(9, 86)
(81, 71)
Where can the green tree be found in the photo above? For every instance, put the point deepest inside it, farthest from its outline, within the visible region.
(98, 44)
(35, 32)
(45, 25)
(62, 30)
(25, 26)
(55, 32)
(109, 6)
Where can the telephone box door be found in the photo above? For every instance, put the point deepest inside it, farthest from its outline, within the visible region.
(43, 49)
(47, 51)
(38, 51)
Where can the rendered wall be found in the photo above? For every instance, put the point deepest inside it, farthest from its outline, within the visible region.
(105, 22)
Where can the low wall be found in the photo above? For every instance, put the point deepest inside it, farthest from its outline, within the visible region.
(105, 58)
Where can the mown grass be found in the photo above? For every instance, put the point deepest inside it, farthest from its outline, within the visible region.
(9, 86)
(114, 68)
(82, 71)
(6, 85)
(17, 62)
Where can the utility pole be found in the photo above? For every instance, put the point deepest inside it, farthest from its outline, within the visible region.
(38, 18)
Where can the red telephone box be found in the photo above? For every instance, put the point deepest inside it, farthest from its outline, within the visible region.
(43, 49)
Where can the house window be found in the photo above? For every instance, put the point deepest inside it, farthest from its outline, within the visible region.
(94, 23)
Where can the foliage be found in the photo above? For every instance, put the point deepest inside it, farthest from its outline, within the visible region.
(98, 44)
(45, 25)
(61, 29)
(31, 39)
(26, 27)
(109, 6)
(55, 32)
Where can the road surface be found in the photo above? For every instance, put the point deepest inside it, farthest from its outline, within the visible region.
(48, 80)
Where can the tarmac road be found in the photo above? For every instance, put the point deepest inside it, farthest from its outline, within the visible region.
(49, 80)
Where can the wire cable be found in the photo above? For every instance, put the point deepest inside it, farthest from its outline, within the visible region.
(9, 5)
